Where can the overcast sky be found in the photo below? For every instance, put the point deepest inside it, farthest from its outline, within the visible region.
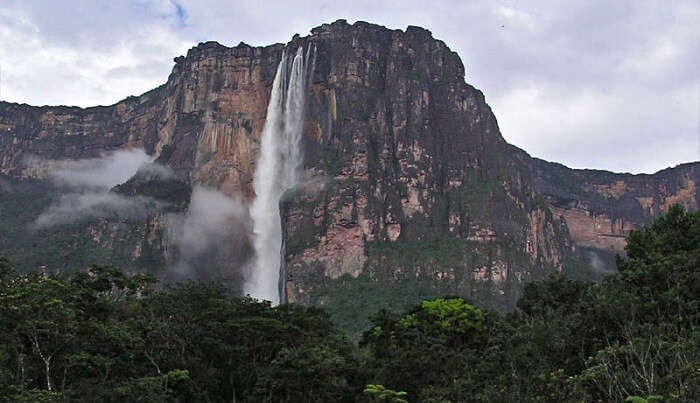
(591, 84)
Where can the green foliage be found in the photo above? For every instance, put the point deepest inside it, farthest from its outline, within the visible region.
(651, 316)
(660, 280)
(19, 394)
(351, 300)
(379, 393)
(454, 315)
(401, 274)
(175, 386)
(416, 350)
(104, 335)
(321, 373)
(650, 399)
(633, 335)
(444, 252)
(69, 246)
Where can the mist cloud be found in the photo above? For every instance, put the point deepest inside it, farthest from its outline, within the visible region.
(208, 239)
(102, 173)
(153, 170)
(87, 185)
(209, 226)
(596, 260)
(74, 207)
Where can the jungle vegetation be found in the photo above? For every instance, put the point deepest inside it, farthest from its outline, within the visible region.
(105, 335)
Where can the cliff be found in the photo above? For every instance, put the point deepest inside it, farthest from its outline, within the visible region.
(410, 189)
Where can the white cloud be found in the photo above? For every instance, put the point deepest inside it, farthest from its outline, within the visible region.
(211, 220)
(633, 60)
(38, 70)
(638, 131)
(73, 207)
(89, 181)
(102, 173)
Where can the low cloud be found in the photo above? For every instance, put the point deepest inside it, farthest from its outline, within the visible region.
(154, 170)
(74, 207)
(87, 185)
(206, 233)
(208, 240)
(598, 261)
(102, 173)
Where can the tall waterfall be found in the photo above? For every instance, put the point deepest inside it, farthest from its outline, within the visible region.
(278, 170)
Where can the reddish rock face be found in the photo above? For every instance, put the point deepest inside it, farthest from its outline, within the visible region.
(410, 183)
(600, 208)
(211, 111)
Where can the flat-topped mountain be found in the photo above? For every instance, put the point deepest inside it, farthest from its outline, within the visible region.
(409, 188)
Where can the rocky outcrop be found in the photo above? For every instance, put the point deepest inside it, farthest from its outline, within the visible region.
(211, 111)
(410, 189)
(408, 154)
(600, 208)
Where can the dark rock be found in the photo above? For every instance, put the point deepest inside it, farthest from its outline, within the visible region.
(414, 189)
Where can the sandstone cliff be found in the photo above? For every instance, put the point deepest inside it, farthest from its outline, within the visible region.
(411, 190)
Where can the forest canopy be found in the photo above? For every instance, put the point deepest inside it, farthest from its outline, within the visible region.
(105, 335)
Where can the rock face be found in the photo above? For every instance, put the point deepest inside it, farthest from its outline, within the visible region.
(600, 208)
(411, 190)
(204, 123)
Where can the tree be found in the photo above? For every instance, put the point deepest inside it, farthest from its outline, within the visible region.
(379, 393)
(659, 280)
(652, 310)
(37, 310)
(311, 373)
(430, 345)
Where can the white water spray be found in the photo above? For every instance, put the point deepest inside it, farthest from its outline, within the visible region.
(278, 170)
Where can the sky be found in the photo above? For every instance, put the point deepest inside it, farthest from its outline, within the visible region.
(591, 84)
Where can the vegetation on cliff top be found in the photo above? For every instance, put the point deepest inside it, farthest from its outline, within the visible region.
(103, 335)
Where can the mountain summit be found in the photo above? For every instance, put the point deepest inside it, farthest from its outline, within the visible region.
(408, 189)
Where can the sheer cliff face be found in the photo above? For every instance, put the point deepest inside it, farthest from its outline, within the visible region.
(410, 189)
(600, 208)
(403, 156)
(211, 111)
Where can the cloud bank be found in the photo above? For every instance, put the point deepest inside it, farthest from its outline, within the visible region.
(208, 239)
(103, 173)
(87, 185)
(74, 207)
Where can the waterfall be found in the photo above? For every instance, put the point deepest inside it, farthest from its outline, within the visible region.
(278, 170)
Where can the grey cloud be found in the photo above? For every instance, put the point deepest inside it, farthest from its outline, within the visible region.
(102, 173)
(88, 183)
(74, 207)
(64, 52)
(85, 24)
(155, 170)
(598, 262)
(638, 59)
(210, 222)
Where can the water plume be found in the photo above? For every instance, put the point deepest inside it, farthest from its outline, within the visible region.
(278, 170)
